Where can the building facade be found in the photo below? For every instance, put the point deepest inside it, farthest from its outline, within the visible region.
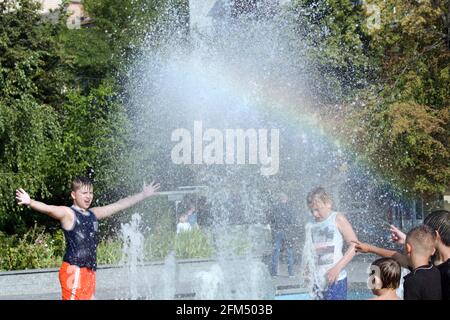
(77, 16)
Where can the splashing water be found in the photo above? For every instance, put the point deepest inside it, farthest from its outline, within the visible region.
(209, 284)
(235, 280)
(243, 72)
(165, 284)
(133, 255)
(311, 278)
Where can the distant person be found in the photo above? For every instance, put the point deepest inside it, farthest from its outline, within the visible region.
(323, 254)
(192, 216)
(183, 224)
(204, 212)
(282, 221)
(79, 222)
(385, 279)
(424, 280)
(439, 221)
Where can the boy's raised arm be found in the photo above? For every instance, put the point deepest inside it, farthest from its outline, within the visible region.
(56, 212)
(385, 253)
(122, 204)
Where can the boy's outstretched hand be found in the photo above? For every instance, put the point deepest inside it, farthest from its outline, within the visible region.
(150, 189)
(397, 235)
(22, 197)
(361, 246)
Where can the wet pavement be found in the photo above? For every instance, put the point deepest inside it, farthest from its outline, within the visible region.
(44, 284)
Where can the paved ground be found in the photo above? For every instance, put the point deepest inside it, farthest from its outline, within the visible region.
(45, 286)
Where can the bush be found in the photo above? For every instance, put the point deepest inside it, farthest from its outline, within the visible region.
(40, 249)
(35, 249)
(158, 245)
(109, 251)
(193, 244)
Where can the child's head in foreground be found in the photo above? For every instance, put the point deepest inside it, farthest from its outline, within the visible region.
(386, 273)
(420, 241)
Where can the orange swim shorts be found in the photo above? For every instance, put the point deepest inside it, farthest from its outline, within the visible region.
(76, 283)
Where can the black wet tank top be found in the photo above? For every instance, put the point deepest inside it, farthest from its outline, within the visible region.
(81, 241)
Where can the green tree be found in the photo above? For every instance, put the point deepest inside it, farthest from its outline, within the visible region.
(95, 131)
(411, 42)
(49, 129)
(405, 142)
(401, 123)
(383, 66)
(105, 49)
(31, 80)
(330, 34)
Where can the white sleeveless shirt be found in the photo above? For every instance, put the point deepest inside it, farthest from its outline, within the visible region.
(327, 243)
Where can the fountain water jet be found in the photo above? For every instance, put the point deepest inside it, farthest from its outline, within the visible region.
(246, 70)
